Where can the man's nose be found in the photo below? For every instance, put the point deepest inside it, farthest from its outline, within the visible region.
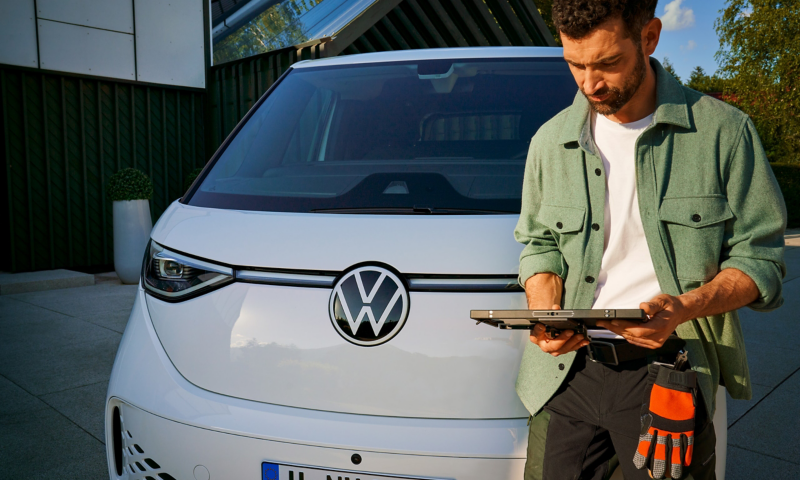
(592, 82)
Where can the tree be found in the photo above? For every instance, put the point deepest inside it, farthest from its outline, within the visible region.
(760, 55)
(698, 80)
(274, 28)
(545, 8)
(670, 69)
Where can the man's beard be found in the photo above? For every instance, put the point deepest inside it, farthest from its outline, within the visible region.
(619, 97)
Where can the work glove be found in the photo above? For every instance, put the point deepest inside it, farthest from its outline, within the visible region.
(667, 435)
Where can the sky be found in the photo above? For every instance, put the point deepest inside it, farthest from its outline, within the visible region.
(689, 38)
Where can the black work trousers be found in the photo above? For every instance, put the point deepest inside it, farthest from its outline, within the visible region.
(593, 422)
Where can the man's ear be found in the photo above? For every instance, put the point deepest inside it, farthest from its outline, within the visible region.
(651, 34)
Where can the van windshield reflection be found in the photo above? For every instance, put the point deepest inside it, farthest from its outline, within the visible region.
(437, 137)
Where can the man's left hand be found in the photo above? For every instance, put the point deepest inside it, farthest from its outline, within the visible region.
(666, 313)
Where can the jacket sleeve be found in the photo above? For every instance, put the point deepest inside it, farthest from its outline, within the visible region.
(754, 237)
(541, 253)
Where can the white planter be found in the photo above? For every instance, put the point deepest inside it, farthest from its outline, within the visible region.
(132, 225)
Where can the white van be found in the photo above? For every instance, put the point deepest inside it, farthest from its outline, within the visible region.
(304, 309)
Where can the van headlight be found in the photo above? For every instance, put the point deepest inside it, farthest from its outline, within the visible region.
(175, 277)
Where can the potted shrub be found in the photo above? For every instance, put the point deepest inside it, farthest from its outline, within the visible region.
(130, 191)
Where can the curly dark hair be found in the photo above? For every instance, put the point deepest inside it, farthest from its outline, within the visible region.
(577, 18)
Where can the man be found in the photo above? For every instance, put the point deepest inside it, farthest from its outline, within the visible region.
(642, 194)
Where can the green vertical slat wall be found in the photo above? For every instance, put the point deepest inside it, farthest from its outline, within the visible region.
(453, 23)
(63, 137)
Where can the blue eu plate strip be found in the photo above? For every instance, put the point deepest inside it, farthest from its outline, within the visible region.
(269, 471)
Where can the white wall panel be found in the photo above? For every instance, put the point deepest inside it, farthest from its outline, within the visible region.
(70, 48)
(169, 42)
(18, 33)
(107, 14)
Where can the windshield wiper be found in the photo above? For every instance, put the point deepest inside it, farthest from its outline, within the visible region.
(416, 210)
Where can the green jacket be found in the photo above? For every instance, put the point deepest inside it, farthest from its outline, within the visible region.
(708, 201)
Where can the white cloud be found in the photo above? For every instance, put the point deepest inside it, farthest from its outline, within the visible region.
(676, 17)
(688, 46)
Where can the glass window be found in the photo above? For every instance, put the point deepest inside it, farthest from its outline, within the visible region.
(429, 136)
(282, 24)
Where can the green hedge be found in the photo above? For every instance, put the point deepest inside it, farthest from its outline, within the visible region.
(190, 178)
(129, 184)
(788, 176)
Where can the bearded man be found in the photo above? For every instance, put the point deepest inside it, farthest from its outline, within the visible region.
(642, 194)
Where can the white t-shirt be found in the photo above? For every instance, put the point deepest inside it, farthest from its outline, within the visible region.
(627, 276)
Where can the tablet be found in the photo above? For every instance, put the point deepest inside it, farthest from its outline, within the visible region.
(558, 319)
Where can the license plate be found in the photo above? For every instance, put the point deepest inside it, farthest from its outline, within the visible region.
(274, 471)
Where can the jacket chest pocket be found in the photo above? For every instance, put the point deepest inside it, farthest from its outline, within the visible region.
(696, 227)
(565, 223)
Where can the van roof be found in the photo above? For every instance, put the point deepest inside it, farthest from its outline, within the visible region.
(435, 54)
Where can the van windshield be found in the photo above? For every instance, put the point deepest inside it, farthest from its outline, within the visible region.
(434, 136)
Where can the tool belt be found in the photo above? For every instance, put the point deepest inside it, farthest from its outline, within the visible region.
(616, 352)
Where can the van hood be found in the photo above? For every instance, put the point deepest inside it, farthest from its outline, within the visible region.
(419, 244)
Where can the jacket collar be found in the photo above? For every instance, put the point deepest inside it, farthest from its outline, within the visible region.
(671, 108)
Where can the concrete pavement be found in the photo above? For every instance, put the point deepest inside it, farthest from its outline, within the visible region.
(56, 352)
(57, 348)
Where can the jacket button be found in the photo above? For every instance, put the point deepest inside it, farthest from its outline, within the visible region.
(589, 279)
(561, 366)
(696, 218)
(595, 227)
(598, 172)
(560, 225)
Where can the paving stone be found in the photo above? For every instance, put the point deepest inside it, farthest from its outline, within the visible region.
(11, 308)
(83, 405)
(44, 444)
(774, 328)
(792, 258)
(62, 366)
(50, 330)
(747, 465)
(81, 302)
(108, 277)
(15, 401)
(769, 364)
(12, 283)
(772, 427)
(737, 408)
(116, 321)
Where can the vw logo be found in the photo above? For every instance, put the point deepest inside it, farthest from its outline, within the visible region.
(369, 305)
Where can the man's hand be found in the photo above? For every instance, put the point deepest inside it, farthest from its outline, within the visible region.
(565, 342)
(729, 290)
(544, 293)
(665, 312)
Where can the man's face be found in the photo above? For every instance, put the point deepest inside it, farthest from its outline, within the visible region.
(608, 66)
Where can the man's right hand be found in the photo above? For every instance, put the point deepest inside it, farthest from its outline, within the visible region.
(544, 291)
(565, 342)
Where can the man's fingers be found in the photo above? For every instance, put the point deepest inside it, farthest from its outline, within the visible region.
(556, 344)
(625, 328)
(610, 326)
(649, 308)
(644, 342)
(572, 344)
(655, 305)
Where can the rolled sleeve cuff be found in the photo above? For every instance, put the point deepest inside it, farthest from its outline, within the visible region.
(550, 262)
(767, 276)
